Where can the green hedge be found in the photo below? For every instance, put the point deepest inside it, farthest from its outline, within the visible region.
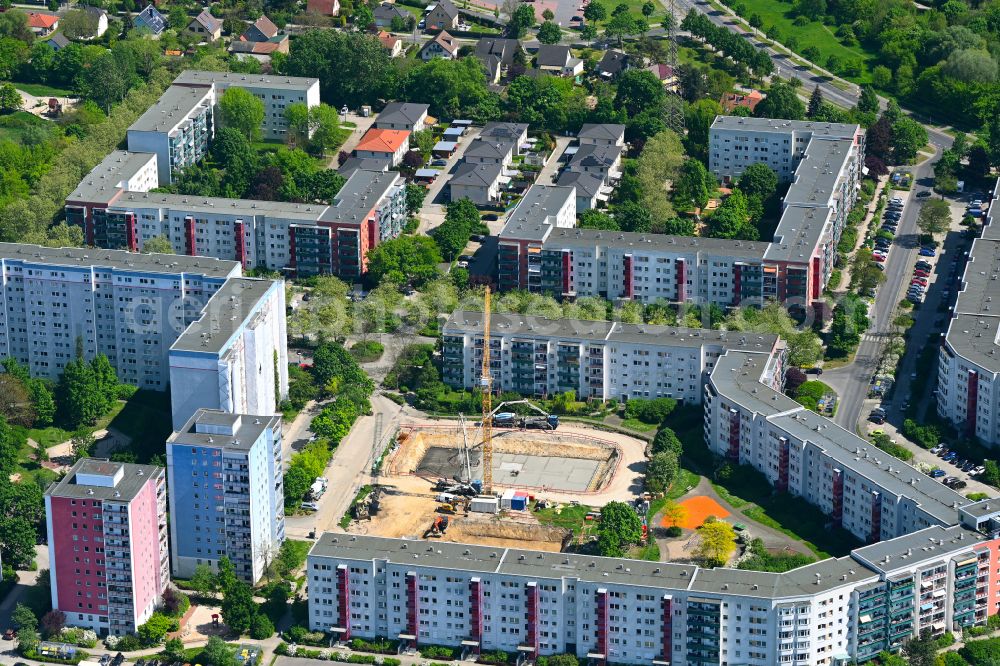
(77, 658)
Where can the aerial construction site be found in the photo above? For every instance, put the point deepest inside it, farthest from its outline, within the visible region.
(500, 480)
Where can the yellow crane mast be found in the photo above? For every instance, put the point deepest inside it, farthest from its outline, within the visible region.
(486, 386)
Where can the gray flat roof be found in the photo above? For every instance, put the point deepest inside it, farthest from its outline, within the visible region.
(119, 260)
(535, 210)
(362, 191)
(401, 112)
(892, 474)
(842, 130)
(932, 543)
(134, 477)
(196, 77)
(565, 238)
(104, 182)
(513, 324)
(803, 581)
(736, 377)
(980, 293)
(982, 508)
(226, 311)
(219, 205)
(975, 337)
(799, 232)
(439, 554)
(991, 229)
(248, 429)
(609, 131)
(173, 107)
(817, 174)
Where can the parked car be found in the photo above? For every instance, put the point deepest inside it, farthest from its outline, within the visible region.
(309, 506)
(943, 452)
(958, 485)
(919, 280)
(9, 634)
(878, 419)
(924, 264)
(439, 163)
(948, 480)
(814, 371)
(927, 252)
(491, 217)
(935, 449)
(923, 194)
(976, 471)
(937, 473)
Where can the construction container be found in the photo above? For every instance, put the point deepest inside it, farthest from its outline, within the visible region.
(485, 505)
(518, 503)
(506, 499)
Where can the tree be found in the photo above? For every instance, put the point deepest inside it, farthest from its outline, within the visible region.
(459, 85)
(363, 16)
(79, 396)
(921, 651)
(325, 126)
(991, 473)
(781, 102)
(53, 623)
(732, 219)
(261, 628)
(243, 111)
(17, 408)
(690, 189)
(522, 19)
(548, 15)
(661, 471)
(105, 82)
(618, 529)
(10, 99)
(717, 542)
(639, 90)
(908, 137)
(868, 100)
(156, 628)
(238, 607)
(83, 442)
(622, 25)
(648, 8)
(758, 180)
(666, 440)
(203, 580)
(297, 117)
(107, 383)
(934, 217)
(158, 245)
(699, 118)
(549, 33)
(173, 650)
(594, 12)
(408, 259)
(23, 616)
(77, 24)
(673, 513)
(218, 653)
(815, 103)
(553, 103)
(415, 195)
(27, 640)
(595, 219)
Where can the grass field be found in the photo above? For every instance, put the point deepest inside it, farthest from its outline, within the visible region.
(42, 90)
(813, 34)
(13, 126)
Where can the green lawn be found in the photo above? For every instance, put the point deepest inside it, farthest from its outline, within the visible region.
(50, 436)
(639, 426)
(813, 34)
(42, 90)
(13, 126)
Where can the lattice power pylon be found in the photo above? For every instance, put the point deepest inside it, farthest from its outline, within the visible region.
(675, 105)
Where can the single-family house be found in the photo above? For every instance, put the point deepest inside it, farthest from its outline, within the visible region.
(665, 74)
(404, 116)
(261, 51)
(392, 44)
(386, 12)
(612, 64)
(102, 19)
(490, 151)
(589, 188)
(57, 41)
(261, 30)
(558, 60)
(444, 16)
(151, 20)
(497, 55)
(384, 143)
(602, 134)
(602, 161)
(442, 46)
(323, 7)
(750, 100)
(480, 183)
(42, 24)
(515, 133)
(206, 27)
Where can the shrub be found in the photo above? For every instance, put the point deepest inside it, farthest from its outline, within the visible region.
(649, 411)
(261, 627)
(296, 633)
(674, 531)
(366, 351)
(437, 652)
(282, 649)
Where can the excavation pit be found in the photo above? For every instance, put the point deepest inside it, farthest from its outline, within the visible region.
(541, 460)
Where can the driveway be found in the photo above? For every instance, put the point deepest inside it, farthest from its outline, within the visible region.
(549, 173)
(433, 210)
(362, 125)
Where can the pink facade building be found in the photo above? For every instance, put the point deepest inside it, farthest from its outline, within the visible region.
(108, 552)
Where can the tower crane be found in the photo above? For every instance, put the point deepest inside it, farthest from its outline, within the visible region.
(486, 386)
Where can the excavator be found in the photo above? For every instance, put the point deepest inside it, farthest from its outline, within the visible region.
(437, 528)
(511, 420)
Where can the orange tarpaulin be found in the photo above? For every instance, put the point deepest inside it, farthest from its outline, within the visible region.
(698, 509)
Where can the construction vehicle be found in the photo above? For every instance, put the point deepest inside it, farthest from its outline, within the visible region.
(447, 508)
(437, 528)
(511, 420)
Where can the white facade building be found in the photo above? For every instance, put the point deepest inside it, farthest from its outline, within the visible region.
(969, 361)
(177, 129)
(129, 307)
(234, 358)
(596, 359)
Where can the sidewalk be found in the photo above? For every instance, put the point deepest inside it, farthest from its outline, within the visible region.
(863, 230)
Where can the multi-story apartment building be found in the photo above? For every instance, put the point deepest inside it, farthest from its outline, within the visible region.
(177, 129)
(234, 357)
(277, 93)
(483, 598)
(823, 160)
(596, 359)
(129, 307)
(542, 209)
(116, 210)
(107, 536)
(225, 480)
(864, 490)
(969, 361)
